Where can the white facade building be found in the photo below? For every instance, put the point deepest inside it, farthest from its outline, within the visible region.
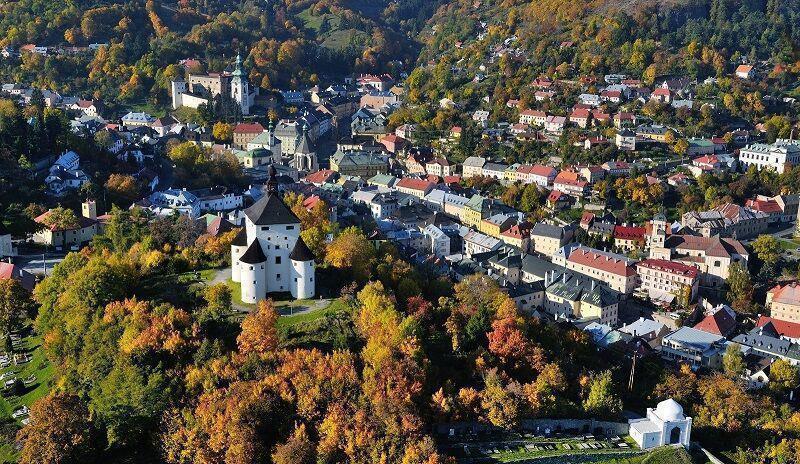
(268, 255)
(664, 425)
(777, 156)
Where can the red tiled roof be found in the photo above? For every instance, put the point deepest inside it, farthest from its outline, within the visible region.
(707, 159)
(579, 113)
(784, 328)
(569, 178)
(744, 68)
(12, 271)
(248, 128)
(603, 261)
(629, 232)
(720, 323)
(320, 177)
(671, 267)
(587, 217)
(786, 294)
(83, 222)
(662, 92)
(765, 206)
(554, 196)
(392, 138)
(414, 184)
(611, 93)
(452, 179)
(311, 201)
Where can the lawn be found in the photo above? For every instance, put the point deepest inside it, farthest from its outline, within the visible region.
(38, 366)
(789, 244)
(309, 316)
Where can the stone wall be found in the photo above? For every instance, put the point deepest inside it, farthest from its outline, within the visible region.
(540, 426)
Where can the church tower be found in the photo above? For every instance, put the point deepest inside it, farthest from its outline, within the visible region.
(240, 89)
(305, 158)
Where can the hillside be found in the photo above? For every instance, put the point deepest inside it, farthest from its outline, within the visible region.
(286, 43)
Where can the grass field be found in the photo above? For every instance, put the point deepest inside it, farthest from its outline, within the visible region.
(310, 316)
(38, 366)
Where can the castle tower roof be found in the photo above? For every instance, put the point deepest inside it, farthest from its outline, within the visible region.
(271, 209)
(254, 254)
(300, 252)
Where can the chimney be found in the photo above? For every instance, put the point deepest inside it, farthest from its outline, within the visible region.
(89, 209)
(564, 278)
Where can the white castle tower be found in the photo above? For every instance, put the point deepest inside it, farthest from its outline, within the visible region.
(269, 255)
(178, 89)
(240, 89)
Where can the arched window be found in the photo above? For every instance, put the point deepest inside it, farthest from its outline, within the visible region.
(675, 435)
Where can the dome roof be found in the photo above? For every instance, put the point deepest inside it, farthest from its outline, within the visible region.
(669, 410)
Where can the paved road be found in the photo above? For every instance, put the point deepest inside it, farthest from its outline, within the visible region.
(39, 264)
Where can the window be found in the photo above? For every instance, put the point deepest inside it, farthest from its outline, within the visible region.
(264, 227)
(278, 277)
(289, 227)
(295, 279)
(277, 260)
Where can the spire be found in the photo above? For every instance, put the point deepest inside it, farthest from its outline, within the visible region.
(272, 182)
(237, 72)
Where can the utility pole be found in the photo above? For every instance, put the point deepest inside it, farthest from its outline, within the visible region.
(633, 371)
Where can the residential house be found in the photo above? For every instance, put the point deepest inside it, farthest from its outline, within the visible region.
(555, 124)
(780, 208)
(494, 170)
(574, 296)
(533, 117)
(538, 174)
(744, 71)
(476, 242)
(664, 280)
(728, 220)
(244, 133)
(617, 271)
(776, 156)
(694, 347)
(625, 140)
(783, 302)
(472, 167)
(13, 271)
(547, 239)
(571, 183)
(439, 167)
(414, 187)
(495, 224)
(629, 238)
(720, 321)
(474, 211)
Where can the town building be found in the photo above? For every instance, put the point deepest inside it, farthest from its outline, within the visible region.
(202, 89)
(616, 271)
(783, 302)
(727, 220)
(472, 167)
(664, 280)
(694, 347)
(776, 156)
(60, 236)
(359, 163)
(547, 239)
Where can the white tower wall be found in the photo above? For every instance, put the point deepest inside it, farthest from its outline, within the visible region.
(302, 283)
(178, 89)
(253, 284)
(236, 253)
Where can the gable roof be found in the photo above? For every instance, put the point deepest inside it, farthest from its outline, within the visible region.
(269, 210)
(782, 328)
(719, 323)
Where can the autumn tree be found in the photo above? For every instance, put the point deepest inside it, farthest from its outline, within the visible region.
(767, 249)
(602, 399)
(59, 432)
(733, 361)
(223, 132)
(783, 376)
(61, 218)
(740, 287)
(352, 251)
(258, 335)
(15, 305)
(122, 186)
(298, 449)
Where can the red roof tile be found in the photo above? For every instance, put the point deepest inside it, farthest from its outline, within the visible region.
(720, 323)
(784, 328)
